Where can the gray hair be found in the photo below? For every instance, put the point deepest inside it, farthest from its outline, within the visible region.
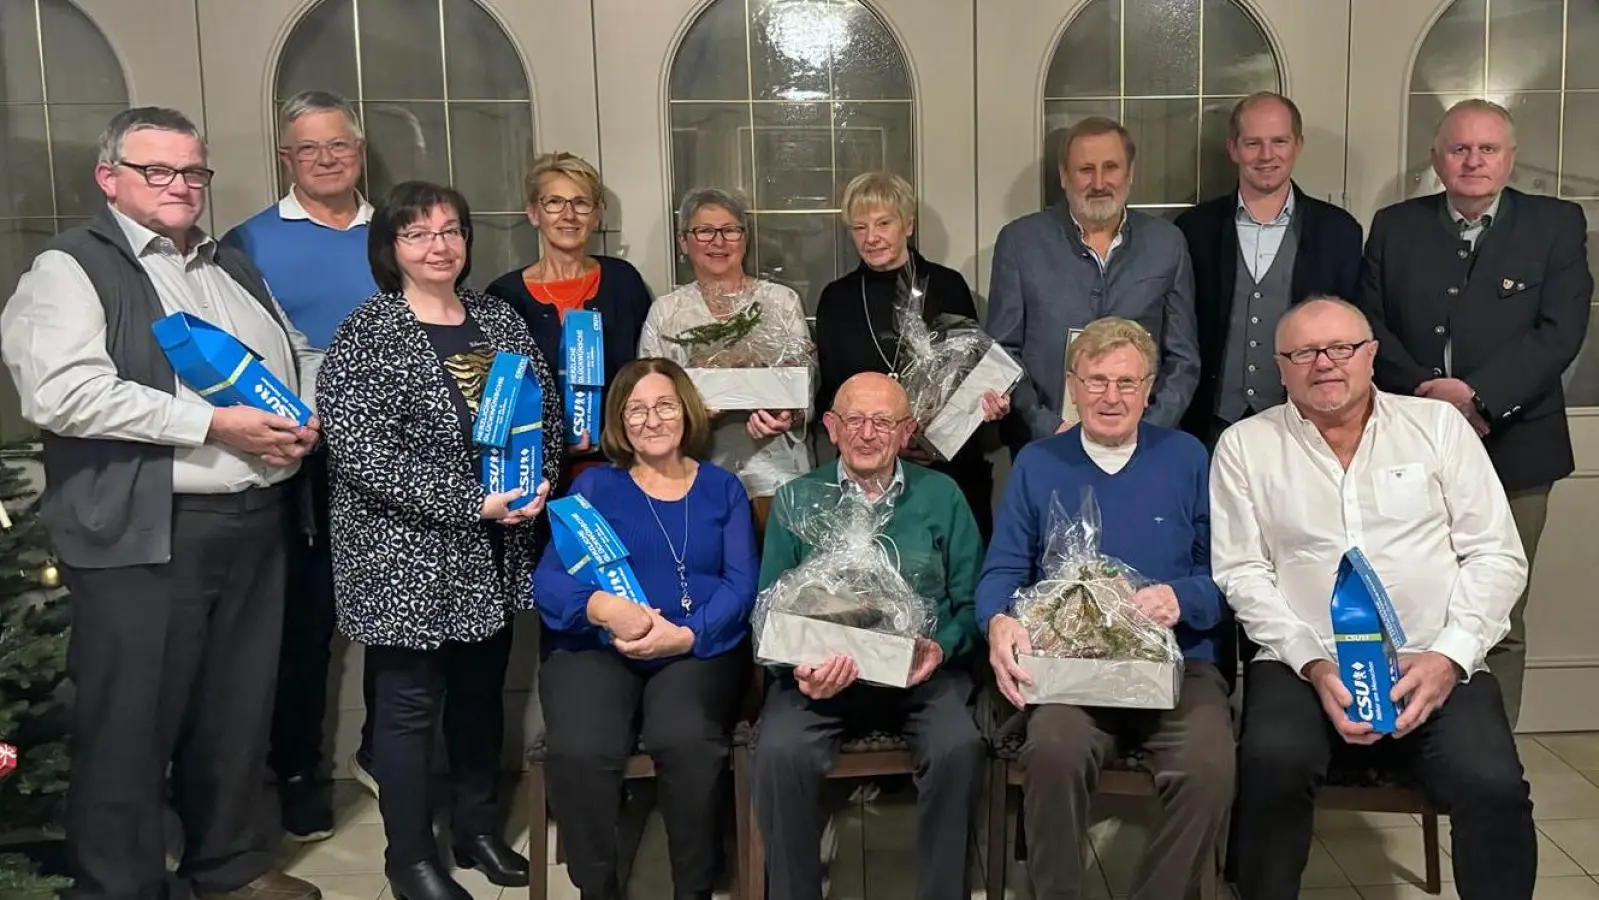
(143, 118)
(699, 198)
(308, 103)
(1474, 104)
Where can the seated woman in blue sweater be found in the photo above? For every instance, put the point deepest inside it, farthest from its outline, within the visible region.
(673, 671)
(1152, 485)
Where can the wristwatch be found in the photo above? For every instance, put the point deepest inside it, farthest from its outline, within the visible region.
(1479, 406)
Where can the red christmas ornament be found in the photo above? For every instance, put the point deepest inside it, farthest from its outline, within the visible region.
(8, 759)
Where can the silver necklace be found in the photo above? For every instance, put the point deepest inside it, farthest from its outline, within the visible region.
(679, 558)
(891, 364)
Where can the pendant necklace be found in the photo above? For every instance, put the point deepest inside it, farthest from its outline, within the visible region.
(679, 558)
(891, 364)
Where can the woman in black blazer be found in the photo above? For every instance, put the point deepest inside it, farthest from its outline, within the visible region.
(428, 567)
(565, 202)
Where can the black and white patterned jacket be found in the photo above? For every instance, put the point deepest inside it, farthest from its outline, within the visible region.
(413, 565)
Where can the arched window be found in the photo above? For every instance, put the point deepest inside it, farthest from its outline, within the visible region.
(1537, 59)
(442, 95)
(60, 82)
(787, 100)
(1171, 73)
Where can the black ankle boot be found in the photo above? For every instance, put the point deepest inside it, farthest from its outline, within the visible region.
(494, 858)
(425, 880)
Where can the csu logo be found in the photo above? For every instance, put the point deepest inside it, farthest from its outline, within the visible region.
(1360, 674)
(496, 471)
(272, 400)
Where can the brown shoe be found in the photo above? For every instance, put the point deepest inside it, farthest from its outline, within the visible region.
(271, 886)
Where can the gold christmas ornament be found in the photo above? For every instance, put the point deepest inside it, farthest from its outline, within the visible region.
(50, 576)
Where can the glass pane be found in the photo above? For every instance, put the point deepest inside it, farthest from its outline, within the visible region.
(791, 46)
(492, 143)
(800, 251)
(401, 56)
(1426, 110)
(1521, 45)
(404, 141)
(19, 53)
(482, 63)
(1451, 57)
(868, 63)
(79, 66)
(1537, 140)
(711, 148)
(1162, 39)
(75, 139)
(24, 179)
(1086, 62)
(20, 241)
(320, 53)
(500, 243)
(1059, 115)
(712, 63)
(1579, 175)
(1582, 35)
(1238, 57)
(793, 156)
(1217, 172)
(872, 137)
(1167, 133)
(1590, 210)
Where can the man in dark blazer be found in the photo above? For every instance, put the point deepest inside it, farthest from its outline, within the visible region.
(1257, 252)
(1479, 297)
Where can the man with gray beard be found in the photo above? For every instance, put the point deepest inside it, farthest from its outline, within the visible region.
(1084, 259)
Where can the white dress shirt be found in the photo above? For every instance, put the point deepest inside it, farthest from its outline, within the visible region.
(290, 208)
(1420, 499)
(53, 335)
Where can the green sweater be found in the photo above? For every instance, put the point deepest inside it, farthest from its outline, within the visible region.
(936, 536)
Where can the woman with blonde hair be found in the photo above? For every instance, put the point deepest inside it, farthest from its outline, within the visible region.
(566, 202)
(857, 329)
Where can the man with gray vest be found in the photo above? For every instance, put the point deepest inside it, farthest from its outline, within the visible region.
(1258, 251)
(168, 518)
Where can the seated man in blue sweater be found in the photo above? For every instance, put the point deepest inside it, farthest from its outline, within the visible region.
(1152, 485)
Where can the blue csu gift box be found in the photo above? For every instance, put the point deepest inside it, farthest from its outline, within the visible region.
(583, 349)
(1369, 637)
(222, 370)
(510, 428)
(590, 549)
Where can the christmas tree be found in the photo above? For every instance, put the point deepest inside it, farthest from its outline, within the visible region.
(33, 718)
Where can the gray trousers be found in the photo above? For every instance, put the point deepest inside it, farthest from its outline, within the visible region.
(1508, 659)
(1191, 753)
(799, 742)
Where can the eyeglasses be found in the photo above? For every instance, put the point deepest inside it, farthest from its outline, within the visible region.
(665, 410)
(197, 177)
(1099, 384)
(310, 151)
(555, 205)
(1336, 353)
(706, 234)
(855, 424)
(421, 237)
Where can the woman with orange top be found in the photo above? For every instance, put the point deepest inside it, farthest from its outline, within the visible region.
(565, 202)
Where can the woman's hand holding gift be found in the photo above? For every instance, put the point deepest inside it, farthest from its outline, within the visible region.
(995, 405)
(764, 423)
(624, 619)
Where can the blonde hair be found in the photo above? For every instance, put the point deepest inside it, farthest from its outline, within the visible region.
(1107, 334)
(870, 190)
(562, 163)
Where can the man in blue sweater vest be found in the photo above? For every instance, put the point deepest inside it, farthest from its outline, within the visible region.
(311, 248)
(1152, 486)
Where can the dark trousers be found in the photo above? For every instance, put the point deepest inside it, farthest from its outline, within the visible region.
(414, 688)
(174, 664)
(1191, 755)
(307, 632)
(799, 742)
(596, 709)
(1463, 758)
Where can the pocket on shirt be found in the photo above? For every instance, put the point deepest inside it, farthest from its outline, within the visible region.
(1402, 491)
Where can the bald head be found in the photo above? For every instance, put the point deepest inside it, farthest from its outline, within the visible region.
(1325, 353)
(1329, 315)
(871, 393)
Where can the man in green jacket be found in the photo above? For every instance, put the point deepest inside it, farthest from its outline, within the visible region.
(810, 708)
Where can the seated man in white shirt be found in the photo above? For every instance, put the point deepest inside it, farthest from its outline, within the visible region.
(1292, 489)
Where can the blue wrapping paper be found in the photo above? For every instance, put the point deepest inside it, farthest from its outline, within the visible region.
(222, 370)
(1368, 636)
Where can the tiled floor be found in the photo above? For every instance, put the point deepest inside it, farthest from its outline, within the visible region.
(873, 858)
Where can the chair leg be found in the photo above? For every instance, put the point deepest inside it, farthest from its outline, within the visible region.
(1021, 836)
(1429, 834)
(538, 834)
(752, 852)
(998, 860)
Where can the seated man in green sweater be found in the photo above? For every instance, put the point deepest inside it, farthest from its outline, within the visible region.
(810, 708)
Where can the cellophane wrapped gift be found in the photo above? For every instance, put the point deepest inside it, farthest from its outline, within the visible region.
(950, 364)
(849, 597)
(1091, 646)
(754, 360)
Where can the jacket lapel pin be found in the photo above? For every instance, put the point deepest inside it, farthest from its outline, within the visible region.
(1506, 285)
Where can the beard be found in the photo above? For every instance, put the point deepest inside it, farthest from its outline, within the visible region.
(1096, 210)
